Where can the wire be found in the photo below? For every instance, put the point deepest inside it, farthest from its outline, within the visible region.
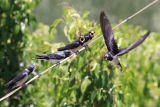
(74, 54)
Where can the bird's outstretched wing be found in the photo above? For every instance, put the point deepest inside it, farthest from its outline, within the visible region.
(134, 45)
(108, 34)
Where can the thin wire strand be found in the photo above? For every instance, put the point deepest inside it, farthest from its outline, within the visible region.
(74, 54)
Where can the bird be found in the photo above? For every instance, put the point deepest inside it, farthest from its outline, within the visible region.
(113, 50)
(74, 46)
(20, 79)
(88, 37)
(54, 57)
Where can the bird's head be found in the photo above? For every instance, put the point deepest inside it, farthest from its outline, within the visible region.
(81, 39)
(91, 33)
(31, 67)
(108, 57)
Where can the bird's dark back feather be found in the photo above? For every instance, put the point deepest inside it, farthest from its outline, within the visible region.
(73, 45)
(17, 78)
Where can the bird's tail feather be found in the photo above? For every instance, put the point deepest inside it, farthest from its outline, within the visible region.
(9, 85)
(42, 56)
(120, 67)
(8, 90)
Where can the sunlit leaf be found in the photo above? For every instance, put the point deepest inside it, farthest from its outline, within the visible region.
(57, 21)
(93, 95)
(84, 85)
(85, 14)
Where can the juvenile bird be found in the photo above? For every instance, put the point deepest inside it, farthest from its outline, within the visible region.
(74, 46)
(88, 37)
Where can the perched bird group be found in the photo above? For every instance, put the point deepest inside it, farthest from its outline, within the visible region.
(82, 41)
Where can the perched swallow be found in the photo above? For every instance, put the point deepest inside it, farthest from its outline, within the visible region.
(55, 57)
(21, 78)
(113, 51)
(88, 37)
(74, 46)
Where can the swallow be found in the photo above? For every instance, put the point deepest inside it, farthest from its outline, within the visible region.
(88, 37)
(21, 78)
(113, 50)
(74, 46)
(54, 57)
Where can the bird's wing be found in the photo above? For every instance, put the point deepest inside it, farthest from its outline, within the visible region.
(73, 45)
(17, 78)
(57, 55)
(87, 38)
(108, 34)
(134, 45)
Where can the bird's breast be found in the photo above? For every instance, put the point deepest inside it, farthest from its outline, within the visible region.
(86, 43)
(19, 83)
(55, 60)
(115, 61)
(76, 49)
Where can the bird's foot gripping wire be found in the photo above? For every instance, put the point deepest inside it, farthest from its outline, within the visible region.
(23, 85)
(77, 52)
(86, 47)
(58, 63)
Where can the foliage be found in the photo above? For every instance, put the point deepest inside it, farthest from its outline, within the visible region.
(88, 80)
(15, 17)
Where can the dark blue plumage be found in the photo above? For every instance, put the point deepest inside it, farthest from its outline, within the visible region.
(21, 78)
(54, 57)
(113, 51)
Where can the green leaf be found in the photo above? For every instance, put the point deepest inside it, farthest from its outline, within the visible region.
(93, 95)
(57, 21)
(96, 72)
(99, 96)
(84, 85)
(17, 29)
(80, 62)
(85, 14)
(120, 104)
(64, 87)
(50, 29)
(65, 11)
(73, 73)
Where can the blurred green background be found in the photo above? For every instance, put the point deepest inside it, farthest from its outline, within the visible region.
(87, 80)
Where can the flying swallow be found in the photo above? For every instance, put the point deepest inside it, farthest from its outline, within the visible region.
(113, 51)
(88, 37)
(74, 46)
(55, 57)
(21, 78)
